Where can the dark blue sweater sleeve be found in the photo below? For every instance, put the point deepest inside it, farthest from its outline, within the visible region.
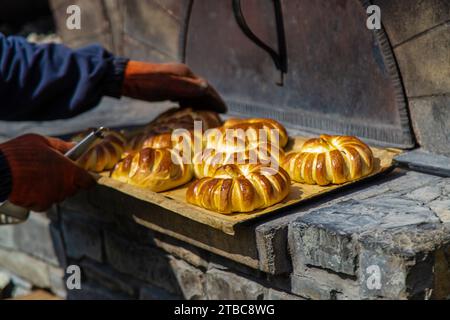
(52, 81)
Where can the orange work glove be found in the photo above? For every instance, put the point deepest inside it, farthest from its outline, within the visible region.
(170, 81)
(40, 173)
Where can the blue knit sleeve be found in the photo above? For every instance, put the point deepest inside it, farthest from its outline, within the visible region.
(52, 81)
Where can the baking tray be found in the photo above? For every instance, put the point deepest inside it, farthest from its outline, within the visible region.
(174, 200)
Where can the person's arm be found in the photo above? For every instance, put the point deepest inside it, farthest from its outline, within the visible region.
(51, 81)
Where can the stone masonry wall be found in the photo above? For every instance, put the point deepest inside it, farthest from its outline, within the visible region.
(119, 260)
(398, 224)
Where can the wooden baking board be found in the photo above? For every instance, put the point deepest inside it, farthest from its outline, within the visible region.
(174, 200)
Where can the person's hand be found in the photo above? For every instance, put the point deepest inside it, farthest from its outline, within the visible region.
(41, 175)
(170, 81)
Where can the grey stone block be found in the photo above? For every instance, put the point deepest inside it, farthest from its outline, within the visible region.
(18, 281)
(327, 237)
(5, 284)
(400, 264)
(404, 19)
(313, 245)
(441, 270)
(190, 279)
(400, 279)
(382, 275)
(424, 161)
(94, 291)
(222, 263)
(271, 242)
(273, 294)
(102, 210)
(442, 209)
(412, 180)
(104, 275)
(82, 239)
(39, 237)
(310, 289)
(19, 292)
(193, 255)
(79, 206)
(7, 237)
(18, 286)
(138, 13)
(370, 192)
(421, 62)
(224, 285)
(319, 284)
(27, 267)
(446, 187)
(144, 263)
(425, 194)
(393, 212)
(154, 293)
(58, 281)
(94, 20)
(430, 117)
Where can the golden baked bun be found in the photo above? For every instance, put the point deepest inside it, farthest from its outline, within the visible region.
(166, 123)
(144, 140)
(241, 141)
(183, 118)
(242, 188)
(267, 125)
(206, 163)
(161, 141)
(329, 159)
(104, 153)
(154, 169)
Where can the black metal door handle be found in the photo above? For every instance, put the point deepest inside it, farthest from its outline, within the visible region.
(279, 58)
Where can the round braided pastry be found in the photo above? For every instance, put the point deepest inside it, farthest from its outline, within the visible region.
(246, 141)
(241, 188)
(184, 118)
(329, 159)
(154, 169)
(207, 162)
(166, 140)
(104, 153)
(269, 127)
(156, 134)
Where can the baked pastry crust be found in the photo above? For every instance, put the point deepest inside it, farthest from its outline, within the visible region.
(177, 118)
(267, 125)
(154, 169)
(104, 153)
(329, 160)
(207, 162)
(240, 188)
(241, 141)
(157, 134)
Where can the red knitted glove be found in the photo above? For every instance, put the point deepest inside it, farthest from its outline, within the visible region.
(170, 81)
(41, 175)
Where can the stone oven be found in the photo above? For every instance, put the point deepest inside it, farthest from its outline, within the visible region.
(316, 67)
